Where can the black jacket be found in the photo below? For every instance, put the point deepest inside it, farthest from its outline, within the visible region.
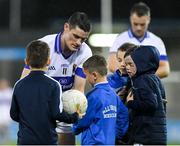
(148, 114)
(35, 105)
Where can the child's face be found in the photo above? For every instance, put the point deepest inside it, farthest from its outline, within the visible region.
(90, 77)
(121, 63)
(130, 66)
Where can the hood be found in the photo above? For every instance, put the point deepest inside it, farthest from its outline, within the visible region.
(146, 59)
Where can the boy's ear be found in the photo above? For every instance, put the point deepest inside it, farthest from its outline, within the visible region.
(48, 61)
(94, 74)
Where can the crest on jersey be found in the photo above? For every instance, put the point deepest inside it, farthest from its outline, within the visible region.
(64, 68)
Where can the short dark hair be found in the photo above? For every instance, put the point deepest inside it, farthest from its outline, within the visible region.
(96, 63)
(141, 9)
(126, 46)
(37, 54)
(81, 20)
(130, 51)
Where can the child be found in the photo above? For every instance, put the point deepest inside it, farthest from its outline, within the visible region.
(119, 79)
(36, 99)
(146, 98)
(106, 117)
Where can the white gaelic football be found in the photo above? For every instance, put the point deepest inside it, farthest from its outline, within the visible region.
(71, 99)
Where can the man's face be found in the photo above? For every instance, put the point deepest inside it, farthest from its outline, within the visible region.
(130, 66)
(121, 64)
(139, 25)
(74, 37)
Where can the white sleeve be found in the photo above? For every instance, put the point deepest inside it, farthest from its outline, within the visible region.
(117, 43)
(161, 48)
(84, 54)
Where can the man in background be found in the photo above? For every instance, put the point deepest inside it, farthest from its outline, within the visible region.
(138, 34)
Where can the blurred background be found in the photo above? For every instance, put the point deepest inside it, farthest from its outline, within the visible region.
(25, 20)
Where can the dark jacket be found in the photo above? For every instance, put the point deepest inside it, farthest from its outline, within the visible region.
(148, 115)
(35, 105)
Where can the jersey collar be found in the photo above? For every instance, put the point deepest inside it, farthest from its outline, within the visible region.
(131, 35)
(57, 45)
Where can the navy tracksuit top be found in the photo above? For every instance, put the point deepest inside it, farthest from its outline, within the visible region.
(35, 105)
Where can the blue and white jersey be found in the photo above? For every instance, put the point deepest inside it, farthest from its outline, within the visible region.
(63, 69)
(149, 39)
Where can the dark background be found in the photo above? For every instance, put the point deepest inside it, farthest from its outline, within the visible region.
(42, 13)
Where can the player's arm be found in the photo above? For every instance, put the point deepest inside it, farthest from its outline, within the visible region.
(79, 79)
(25, 72)
(164, 69)
(79, 83)
(112, 62)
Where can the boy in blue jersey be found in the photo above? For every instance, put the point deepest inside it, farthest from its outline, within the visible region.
(146, 100)
(36, 100)
(106, 117)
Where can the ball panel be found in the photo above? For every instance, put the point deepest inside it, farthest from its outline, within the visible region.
(72, 99)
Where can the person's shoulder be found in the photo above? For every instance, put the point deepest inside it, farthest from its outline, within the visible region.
(20, 82)
(154, 36)
(85, 50)
(85, 47)
(50, 80)
(120, 39)
(48, 38)
(92, 93)
(122, 34)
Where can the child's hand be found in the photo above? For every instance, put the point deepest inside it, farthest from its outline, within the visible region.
(130, 96)
(123, 70)
(78, 110)
(122, 92)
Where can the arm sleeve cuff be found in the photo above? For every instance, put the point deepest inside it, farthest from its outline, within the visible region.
(79, 72)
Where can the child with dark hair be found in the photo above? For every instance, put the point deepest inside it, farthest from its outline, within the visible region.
(119, 79)
(106, 117)
(148, 114)
(36, 100)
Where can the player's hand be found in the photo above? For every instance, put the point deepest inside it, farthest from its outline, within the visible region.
(78, 110)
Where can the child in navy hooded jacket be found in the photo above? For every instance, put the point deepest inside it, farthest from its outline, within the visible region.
(106, 117)
(148, 114)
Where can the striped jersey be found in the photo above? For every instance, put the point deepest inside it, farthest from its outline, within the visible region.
(64, 68)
